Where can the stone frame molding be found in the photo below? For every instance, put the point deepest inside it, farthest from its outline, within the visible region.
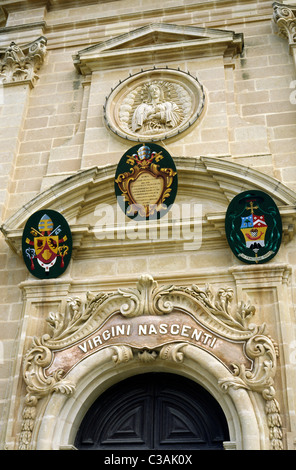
(211, 309)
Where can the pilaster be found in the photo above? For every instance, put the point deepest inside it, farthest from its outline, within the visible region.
(18, 75)
(269, 290)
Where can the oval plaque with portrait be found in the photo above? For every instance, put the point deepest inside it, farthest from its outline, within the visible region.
(47, 244)
(146, 182)
(253, 227)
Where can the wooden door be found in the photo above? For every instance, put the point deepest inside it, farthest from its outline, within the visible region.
(154, 411)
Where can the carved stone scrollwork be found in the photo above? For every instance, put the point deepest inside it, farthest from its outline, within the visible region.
(19, 64)
(147, 300)
(263, 351)
(39, 386)
(218, 304)
(168, 352)
(284, 17)
(122, 354)
(173, 352)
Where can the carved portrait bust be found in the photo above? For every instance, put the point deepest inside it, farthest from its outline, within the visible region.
(154, 105)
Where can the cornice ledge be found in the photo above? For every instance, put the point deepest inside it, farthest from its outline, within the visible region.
(23, 27)
(271, 274)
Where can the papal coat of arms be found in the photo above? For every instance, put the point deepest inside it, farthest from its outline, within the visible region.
(253, 227)
(47, 244)
(146, 182)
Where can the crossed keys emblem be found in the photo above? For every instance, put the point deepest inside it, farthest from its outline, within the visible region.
(47, 245)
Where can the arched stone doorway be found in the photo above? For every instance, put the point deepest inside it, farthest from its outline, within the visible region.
(161, 319)
(62, 415)
(154, 411)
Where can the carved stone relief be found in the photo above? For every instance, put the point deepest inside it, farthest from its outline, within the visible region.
(284, 17)
(18, 64)
(154, 105)
(167, 320)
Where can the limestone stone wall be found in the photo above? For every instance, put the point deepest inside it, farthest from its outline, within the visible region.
(52, 129)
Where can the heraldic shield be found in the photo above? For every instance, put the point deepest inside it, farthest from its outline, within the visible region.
(253, 227)
(146, 182)
(47, 244)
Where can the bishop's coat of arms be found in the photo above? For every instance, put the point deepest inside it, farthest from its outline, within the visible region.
(47, 244)
(253, 227)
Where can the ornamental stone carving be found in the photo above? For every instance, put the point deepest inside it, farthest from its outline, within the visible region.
(21, 64)
(154, 105)
(147, 324)
(285, 18)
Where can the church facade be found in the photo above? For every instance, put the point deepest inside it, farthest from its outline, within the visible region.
(148, 225)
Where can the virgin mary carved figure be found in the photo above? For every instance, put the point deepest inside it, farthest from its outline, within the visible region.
(155, 114)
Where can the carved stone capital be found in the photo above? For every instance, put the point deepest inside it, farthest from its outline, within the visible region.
(285, 18)
(21, 64)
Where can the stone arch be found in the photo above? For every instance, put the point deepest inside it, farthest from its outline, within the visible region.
(215, 183)
(62, 415)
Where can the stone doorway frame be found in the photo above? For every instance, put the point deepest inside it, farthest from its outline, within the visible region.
(55, 404)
